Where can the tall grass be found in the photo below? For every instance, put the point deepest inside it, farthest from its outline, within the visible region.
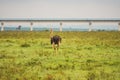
(82, 56)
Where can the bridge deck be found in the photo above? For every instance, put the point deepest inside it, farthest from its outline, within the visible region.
(60, 20)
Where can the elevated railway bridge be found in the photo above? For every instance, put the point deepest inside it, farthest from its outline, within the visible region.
(32, 21)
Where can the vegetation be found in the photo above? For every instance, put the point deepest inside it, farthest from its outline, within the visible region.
(82, 56)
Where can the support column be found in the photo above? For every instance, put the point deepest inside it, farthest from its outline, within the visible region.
(119, 26)
(60, 26)
(31, 26)
(2, 26)
(90, 26)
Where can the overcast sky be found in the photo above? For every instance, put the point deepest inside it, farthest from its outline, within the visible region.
(59, 8)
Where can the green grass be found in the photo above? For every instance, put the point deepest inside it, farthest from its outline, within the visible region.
(82, 56)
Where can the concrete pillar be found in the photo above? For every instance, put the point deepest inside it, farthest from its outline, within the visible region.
(60, 26)
(119, 26)
(90, 26)
(2, 26)
(31, 26)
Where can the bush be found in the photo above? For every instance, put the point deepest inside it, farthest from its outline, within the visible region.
(25, 45)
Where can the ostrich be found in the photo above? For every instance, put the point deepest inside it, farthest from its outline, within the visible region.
(55, 40)
(19, 27)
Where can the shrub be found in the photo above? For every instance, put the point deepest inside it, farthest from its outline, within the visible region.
(25, 45)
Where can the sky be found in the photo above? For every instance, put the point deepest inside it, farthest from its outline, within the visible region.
(59, 8)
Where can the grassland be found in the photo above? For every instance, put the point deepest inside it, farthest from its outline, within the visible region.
(82, 56)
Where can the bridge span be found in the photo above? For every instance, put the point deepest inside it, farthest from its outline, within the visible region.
(32, 21)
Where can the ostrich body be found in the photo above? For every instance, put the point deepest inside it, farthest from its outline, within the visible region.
(55, 41)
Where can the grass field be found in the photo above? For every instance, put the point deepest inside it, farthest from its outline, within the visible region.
(82, 56)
